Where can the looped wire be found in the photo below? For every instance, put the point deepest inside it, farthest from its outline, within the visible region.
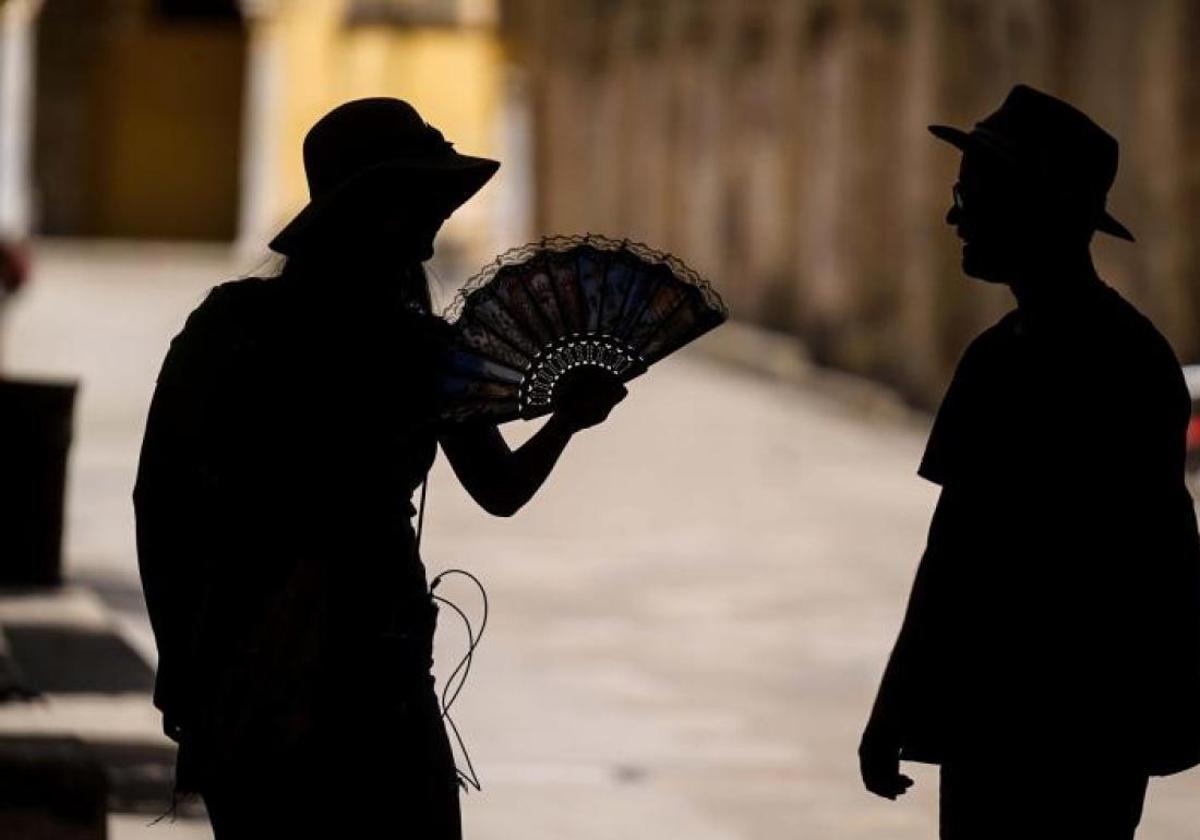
(450, 691)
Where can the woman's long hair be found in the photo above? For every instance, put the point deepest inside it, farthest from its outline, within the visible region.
(416, 284)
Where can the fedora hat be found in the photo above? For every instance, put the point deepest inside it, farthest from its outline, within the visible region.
(380, 148)
(1055, 143)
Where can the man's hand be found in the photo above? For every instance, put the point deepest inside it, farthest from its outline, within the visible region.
(585, 396)
(879, 763)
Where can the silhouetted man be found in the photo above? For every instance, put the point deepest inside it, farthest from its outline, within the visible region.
(1050, 655)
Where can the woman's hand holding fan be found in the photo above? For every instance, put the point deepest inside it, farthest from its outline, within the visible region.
(560, 325)
(585, 397)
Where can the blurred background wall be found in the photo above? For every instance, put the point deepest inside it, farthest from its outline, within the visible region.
(777, 145)
(780, 146)
(137, 119)
(184, 119)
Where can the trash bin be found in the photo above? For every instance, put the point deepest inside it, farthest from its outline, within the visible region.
(36, 421)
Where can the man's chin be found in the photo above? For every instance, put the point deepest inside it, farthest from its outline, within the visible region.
(973, 265)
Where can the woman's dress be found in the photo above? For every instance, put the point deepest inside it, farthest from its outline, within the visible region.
(289, 430)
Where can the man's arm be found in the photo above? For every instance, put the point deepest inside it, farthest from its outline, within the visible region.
(909, 663)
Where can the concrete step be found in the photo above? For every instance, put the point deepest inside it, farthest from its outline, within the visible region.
(51, 787)
(89, 685)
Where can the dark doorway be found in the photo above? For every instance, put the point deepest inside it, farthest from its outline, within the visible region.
(138, 119)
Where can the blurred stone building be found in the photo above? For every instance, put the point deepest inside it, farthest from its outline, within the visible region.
(780, 147)
(777, 145)
(184, 119)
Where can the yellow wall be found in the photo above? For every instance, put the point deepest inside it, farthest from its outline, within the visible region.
(451, 75)
(171, 141)
(154, 146)
(138, 122)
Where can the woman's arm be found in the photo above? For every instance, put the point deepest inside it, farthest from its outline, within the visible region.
(499, 479)
(502, 480)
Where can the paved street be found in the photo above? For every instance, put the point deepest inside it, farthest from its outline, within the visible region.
(687, 624)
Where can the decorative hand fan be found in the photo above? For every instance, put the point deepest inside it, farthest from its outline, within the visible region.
(567, 302)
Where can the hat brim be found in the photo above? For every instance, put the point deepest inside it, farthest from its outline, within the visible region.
(448, 182)
(953, 136)
(964, 140)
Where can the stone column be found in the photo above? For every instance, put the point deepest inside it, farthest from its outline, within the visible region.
(513, 212)
(567, 51)
(644, 134)
(263, 103)
(697, 142)
(17, 19)
(1152, 175)
(756, 189)
(826, 294)
(870, 234)
(1186, 211)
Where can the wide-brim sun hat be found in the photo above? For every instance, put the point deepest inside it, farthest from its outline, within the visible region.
(374, 152)
(1055, 143)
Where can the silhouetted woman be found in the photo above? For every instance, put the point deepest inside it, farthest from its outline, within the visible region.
(292, 421)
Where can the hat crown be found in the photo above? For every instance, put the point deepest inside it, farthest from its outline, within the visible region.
(365, 133)
(1061, 141)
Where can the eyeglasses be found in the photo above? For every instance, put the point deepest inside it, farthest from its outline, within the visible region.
(959, 203)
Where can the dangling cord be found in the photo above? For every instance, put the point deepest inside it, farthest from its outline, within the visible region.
(464, 665)
(421, 517)
(450, 691)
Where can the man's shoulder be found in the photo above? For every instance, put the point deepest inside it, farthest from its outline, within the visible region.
(1004, 330)
(1132, 342)
(1124, 315)
(994, 341)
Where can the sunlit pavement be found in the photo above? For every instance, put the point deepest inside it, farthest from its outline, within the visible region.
(687, 623)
